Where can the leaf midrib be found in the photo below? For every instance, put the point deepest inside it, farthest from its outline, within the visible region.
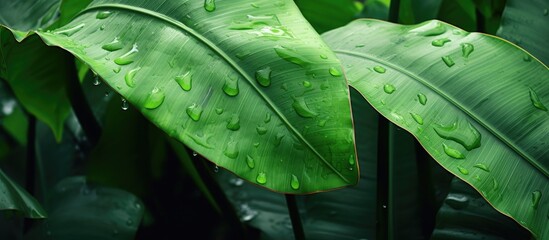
(228, 59)
(450, 99)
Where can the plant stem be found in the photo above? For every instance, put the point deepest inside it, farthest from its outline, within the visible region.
(80, 105)
(294, 217)
(382, 227)
(228, 212)
(394, 11)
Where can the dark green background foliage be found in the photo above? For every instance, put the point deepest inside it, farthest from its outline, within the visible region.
(305, 119)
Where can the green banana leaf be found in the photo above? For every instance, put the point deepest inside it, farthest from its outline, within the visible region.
(251, 87)
(320, 13)
(415, 11)
(476, 103)
(34, 79)
(525, 24)
(22, 17)
(465, 215)
(459, 13)
(14, 197)
(84, 211)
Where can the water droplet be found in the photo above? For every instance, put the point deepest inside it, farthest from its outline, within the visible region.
(231, 86)
(128, 57)
(254, 5)
(379, 69)
(209, 5)
(389, 88)
(457, 201)
(495, 184)
(352, 160)
(200, 140)
(250, 162)
(482, 166)
(246, 213)
(294, 183)
(463, 170)
(322, 122)
(536, 196)
(359, 45)
(154, 99)
(467, 49)
(431, 28)
(195, 154)
(216, 169)
(536, 101)
(454, 153)
(125, 104)
(194, 111)
(301, 108)
(263, 76)
(261, 178)
(323, 56)
(307, 84)
(102, 27)
(116, 69)
(461, 132)
(417, 118)
(440, 42)
(334, 72)
(96, 80)
(231, 150)
(129, 78)
(70, 31)
(233, 123)
(267, 118)
(422, 98)
(237, 182)
(103, 14)
(526, 58)
(278, 139)
(185, 81)
(261, 130)
(448, 61)
(219, 111)
(291, 55)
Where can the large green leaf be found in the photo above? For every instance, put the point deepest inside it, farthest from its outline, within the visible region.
(37, 83)
(22, 17)
(475, 102)
(14, 197)
(525, 23)
(84, 211)
(250, 86)
(320, 13)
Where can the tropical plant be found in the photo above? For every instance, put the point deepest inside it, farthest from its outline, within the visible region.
(253, 88)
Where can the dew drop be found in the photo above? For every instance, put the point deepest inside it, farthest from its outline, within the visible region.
(267, 118)
(536, 196)
(185, 81)
(448, 61)
(352, 160)
(536, 101)
(294, 183)
(231, 86)
(219, 111)
(96, 80)
(389, 88)
(261, 130)
(254, 5)
(379, 69)
(234, 123)
(466, 49)
(209, 5)
(102, 27)
(231, 150)
(114, 45)
(322, 123)
(307, 84)
(417, 118)
(457, 201)
(125, 104)
(103, 14)
(216, 169)
(70, 31)
(128, 57)
(130, 75)
(440, 42)
(334, 72)
(359, 45)
(116, 69)
(250, 162)
(463, 170)
(261, 178)
(302, 109)
(194, 111)
(461, 132)
(154, 99)
(482, 167)
(263, 76)
(291, 56)
(323, 56)
(432, 28)
(454, 153)
(422, 98)
(200, 140)
(278, 139)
